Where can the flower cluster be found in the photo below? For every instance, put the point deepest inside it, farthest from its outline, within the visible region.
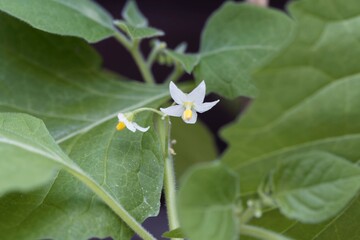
(186, 106)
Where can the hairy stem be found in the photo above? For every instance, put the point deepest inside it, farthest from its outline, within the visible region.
(170, 185)
(110, 201)
(261, 233)
(134, 49)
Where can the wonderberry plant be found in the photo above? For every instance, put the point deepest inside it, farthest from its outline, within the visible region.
(86, 153)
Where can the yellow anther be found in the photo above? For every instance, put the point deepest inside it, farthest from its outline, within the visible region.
(120, 126)
(187, 115)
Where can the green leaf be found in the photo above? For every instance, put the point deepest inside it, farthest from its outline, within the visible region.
(236, 40)
(133, 16)
(176, 233)
(194, 144)
(138, 32)
(187, 60)
(309, 101)
(81, 18)
(312, 187)
(207, 209)
(78, 102)
(29, 155)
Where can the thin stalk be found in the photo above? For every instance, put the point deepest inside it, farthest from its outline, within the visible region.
(149, 109)
(111, 202)
(260, 233)
(175, 74)
(133, 48)
(170, 186)
(247, 215)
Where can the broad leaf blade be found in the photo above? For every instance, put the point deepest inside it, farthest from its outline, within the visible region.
(79, 103)
(29, 155)
(207, 209)
(315, 186)
(232, 48)
(309, 101)
(176, 233)
(81, 18)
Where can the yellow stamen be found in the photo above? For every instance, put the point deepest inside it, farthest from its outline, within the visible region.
(120, 126)
(187, 115)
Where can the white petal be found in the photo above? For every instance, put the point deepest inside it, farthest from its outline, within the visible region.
(176, 94)
(130, 126)
(192, 119)
(175, 111)
(203, 107)
(198, 94)
(121, 117)
(141, 129)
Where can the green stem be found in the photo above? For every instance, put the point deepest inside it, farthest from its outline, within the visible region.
(247, 215)
(175, 74)
(111, 202)
(154, 52)
(170, 186)
(133, 48)
(149, 109)
(260, 233)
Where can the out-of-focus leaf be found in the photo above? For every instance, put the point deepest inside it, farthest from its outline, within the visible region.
(309, 101)
(236, 40)
(187, 60)
(139, 32)
(131, 13)
(312, 187)
(80, 18)
(176, 233)
(208, 206)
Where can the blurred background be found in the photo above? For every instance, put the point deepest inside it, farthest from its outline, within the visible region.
(182, 21)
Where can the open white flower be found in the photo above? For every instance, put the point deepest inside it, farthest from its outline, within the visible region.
(126, 120)
(188, 104)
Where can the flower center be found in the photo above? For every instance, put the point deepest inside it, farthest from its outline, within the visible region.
(120, 126)
(187, 115)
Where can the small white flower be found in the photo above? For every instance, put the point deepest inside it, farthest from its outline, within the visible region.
(188, 104)
(125, 120)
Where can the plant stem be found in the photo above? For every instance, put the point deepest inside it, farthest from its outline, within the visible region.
(175, 74)
(149, 109)
(260, 233)
(110, 201)
(170, 186)
(133, 48)
(247, 215)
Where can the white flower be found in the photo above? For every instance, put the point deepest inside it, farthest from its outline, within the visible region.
(188, 104)
(125, 120)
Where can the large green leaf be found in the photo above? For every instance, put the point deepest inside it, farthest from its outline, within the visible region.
(236, 40)
(207, 206)
(58, 80)
(312, 187)
(310, 99)
(80, 18)
(29, 156)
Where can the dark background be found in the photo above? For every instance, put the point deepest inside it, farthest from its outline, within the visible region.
(182, 21)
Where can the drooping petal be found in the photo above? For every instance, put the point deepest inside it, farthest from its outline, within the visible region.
(198, 94)
(203, 107)
(192, 119)
(141, 129)
(130, 126)
(176, 94)
(175, 111)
